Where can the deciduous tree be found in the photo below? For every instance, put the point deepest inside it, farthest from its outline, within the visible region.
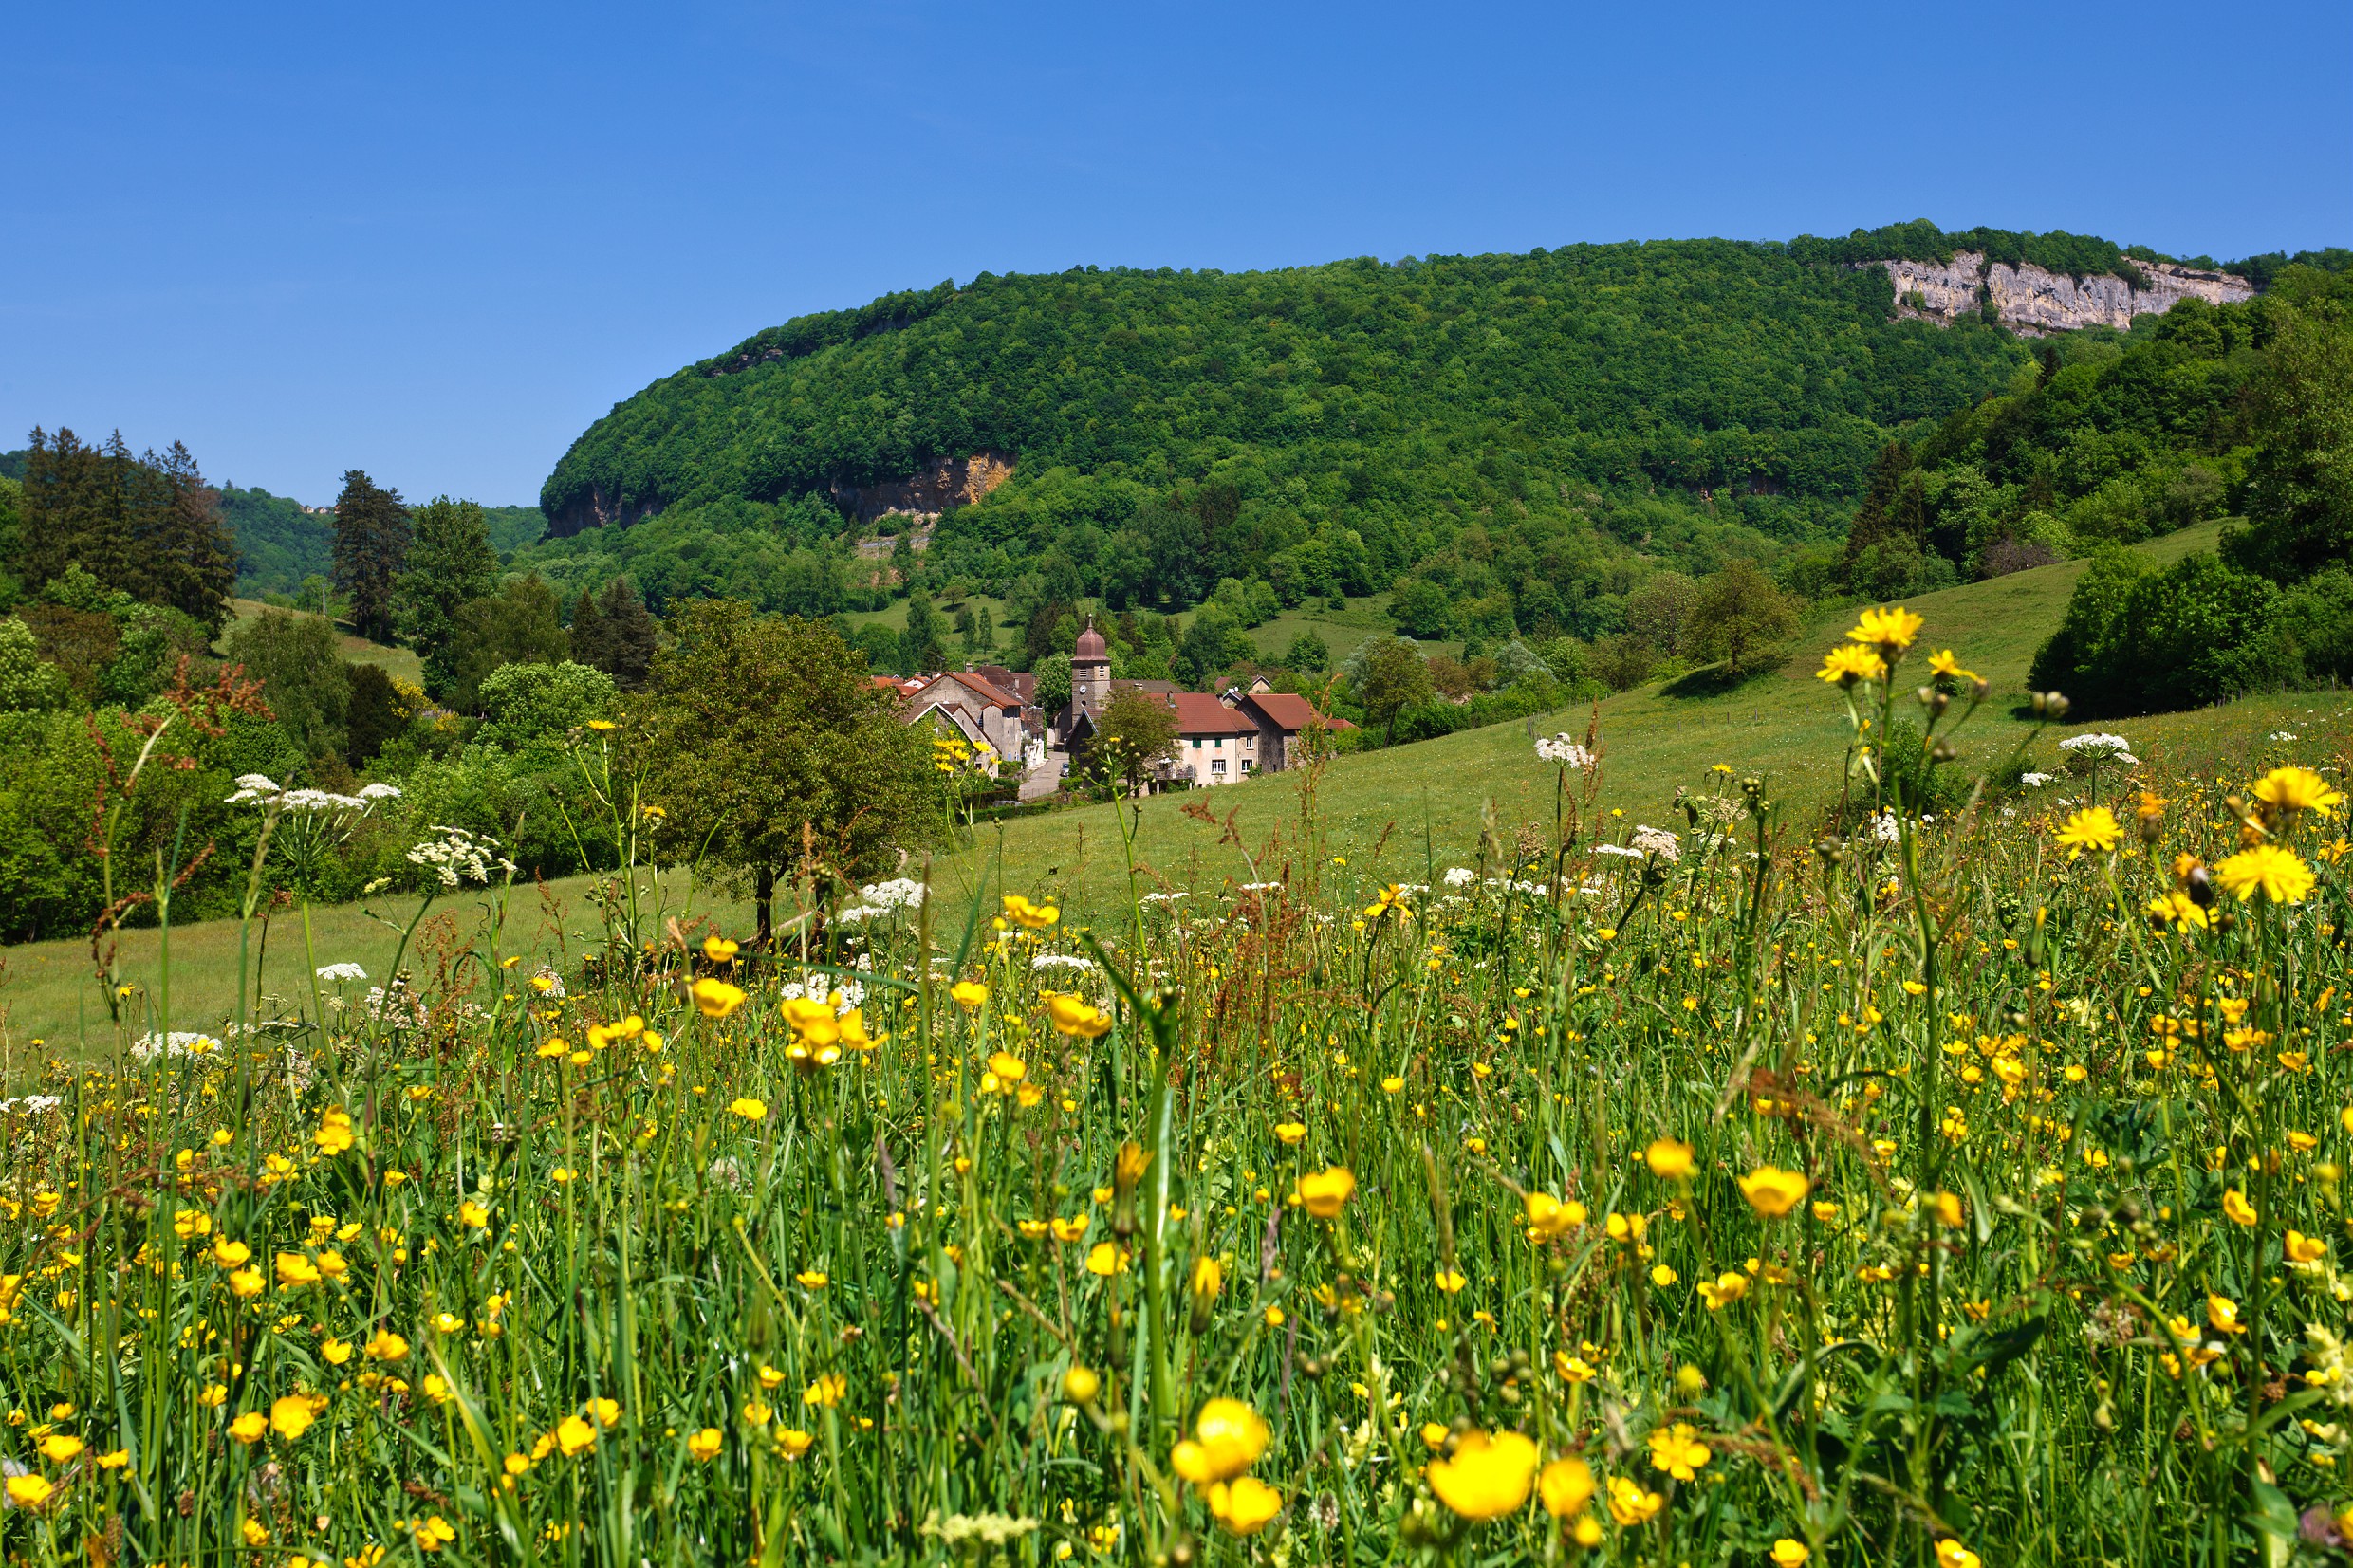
(764, 742)
(450, 562)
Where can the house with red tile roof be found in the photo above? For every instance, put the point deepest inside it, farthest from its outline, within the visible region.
(1282, 720)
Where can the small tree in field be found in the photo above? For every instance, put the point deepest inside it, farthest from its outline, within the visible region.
(763, 742)
(1738, 617)
(1134, 732)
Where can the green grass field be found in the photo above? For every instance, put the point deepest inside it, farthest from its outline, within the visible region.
(400, 663)
(1400, 813)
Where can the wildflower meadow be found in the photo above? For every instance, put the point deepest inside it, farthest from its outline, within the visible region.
(1948, 1182)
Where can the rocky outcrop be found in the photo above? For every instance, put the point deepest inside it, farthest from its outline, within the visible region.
(2032, 302)
(597, 511)
(940, 485)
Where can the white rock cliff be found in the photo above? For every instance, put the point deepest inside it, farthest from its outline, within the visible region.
(2032, 302)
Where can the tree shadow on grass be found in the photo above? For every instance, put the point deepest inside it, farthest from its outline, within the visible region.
(1716, 680)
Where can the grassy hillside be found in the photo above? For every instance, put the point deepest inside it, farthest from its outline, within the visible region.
(400, 663)
(1396, 812)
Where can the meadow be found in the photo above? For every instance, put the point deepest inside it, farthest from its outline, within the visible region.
(1960, 1191)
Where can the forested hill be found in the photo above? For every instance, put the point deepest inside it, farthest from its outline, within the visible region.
(1324, 428)
(1360, 392)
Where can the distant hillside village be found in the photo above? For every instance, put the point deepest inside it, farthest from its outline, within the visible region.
(1220, 738)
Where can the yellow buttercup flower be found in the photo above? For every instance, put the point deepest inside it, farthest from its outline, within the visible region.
(1488, 1476)
(2235, 1206)
(1027, 915)
(1787, 1552)
(703, 1447)
(1677, 1451)
(715, 997)
(575, 1436)
(1723, 1289)
(1775, 1193)
(1323, 1193)
(1074, 1015)
(291, 1415)
(1549, 1217)
(969, 993)
(1291, 1131)
(1567, 1488)
(1243, 1505)
(751, 1110)
(1630, 1504)
(1668, 1159)
(719, 949)
(1228, 1437)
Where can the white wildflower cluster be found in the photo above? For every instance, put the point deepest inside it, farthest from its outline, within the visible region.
(821, 988)
(2036, 781)
(31, 1106)
(395, 1005)
(1885, 829)
(1459, 877)
(179, 1042)
(883, 899)
(900, 893)
(1566, 749)
(1627, 851)
(1061, 961)
(2284, 734)
(336, 974)
(1261, 887)
(1160, 897)
(1658, 842)
(260, 789)
(458, 856)
(2094, 747)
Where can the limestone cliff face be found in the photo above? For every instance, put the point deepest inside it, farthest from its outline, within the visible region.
(598, 511)
(2032, 302)
(940, 485)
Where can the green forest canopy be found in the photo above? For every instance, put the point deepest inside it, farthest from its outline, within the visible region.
(1555, 417)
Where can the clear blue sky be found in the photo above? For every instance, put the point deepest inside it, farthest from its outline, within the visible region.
(436, 241)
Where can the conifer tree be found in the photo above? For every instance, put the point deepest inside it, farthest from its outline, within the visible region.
(449, 563)
(370, 544)
(629, 636)
(587, 632)
(189, 553)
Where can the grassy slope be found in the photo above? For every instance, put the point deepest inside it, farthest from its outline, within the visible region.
(399, 662)
(1376, 807)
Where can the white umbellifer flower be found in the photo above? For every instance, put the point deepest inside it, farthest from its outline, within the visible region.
(1260, 887)
(179, 1042)
(857, 914)
(1160, 897)
(2101, 748)
(1459, 877)
(2035, 781)
(253, 786)
(900, 893)
(459, 856)
(380, 792)
(336, 973)
(819, 987)
(31, 1105)
(1625, 850)
(1564, 749)
(1658, 842)
(1885, 829)
(1061, 961)
(2283, 734)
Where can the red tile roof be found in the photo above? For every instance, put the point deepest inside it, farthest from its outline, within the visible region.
(1286, 711)
(1199, 714)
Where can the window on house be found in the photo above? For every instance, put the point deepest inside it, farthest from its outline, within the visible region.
(1217, 765)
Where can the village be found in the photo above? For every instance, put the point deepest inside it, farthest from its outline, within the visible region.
(1221, 737)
